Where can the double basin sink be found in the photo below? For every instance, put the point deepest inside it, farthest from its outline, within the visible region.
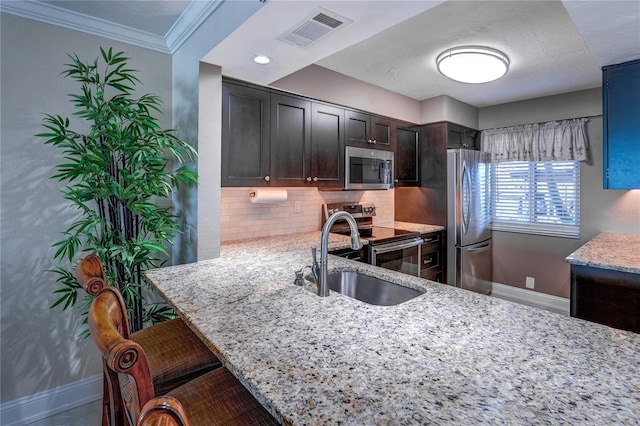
(372, 290)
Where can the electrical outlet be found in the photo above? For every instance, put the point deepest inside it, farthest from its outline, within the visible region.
(530, 282)
(296, 206)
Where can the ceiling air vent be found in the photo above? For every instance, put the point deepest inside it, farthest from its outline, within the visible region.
(321, 23)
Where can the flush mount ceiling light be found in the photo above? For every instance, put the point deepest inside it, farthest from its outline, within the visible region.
(261, 59)
(472, 64)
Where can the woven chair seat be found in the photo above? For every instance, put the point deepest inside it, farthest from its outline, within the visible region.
(178, 355)
(218, 398)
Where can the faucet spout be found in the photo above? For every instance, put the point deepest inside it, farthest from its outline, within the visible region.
(356, 244)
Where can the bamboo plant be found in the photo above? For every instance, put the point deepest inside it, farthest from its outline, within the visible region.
(115, 172)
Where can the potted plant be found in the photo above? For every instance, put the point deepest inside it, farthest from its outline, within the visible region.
(115, 172)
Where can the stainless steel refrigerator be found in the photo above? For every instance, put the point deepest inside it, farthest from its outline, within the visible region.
(468, 221)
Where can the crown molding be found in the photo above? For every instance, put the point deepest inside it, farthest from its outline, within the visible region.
(192, 17)
(187, 23)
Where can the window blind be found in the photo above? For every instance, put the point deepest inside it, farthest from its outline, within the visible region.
(536, 197)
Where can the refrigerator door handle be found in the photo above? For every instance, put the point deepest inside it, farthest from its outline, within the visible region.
(466, 196)
(479, 248)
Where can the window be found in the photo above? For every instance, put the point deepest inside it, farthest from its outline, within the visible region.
(536, 197)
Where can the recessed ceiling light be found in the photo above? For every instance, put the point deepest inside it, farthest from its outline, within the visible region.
(473, 64)
(261, 59)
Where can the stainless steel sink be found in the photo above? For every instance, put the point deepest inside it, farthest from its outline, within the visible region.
(372, 290)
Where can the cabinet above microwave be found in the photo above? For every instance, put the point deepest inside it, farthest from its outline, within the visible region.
(368, 131)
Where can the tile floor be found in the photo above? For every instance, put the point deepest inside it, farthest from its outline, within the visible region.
(85, 415)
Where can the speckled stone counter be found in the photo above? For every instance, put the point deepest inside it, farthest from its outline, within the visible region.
(418, 227)
(619, 252)
(448, 357)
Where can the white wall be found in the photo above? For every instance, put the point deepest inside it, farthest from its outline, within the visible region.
(201, 206)
(446, 108)
(43, 360)
(40, 348)
(323, 84)
(517, 256)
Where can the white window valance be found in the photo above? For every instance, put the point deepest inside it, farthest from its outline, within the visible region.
(552, 141)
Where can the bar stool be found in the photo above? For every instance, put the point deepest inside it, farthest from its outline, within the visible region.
(214, 398)
(174, 352)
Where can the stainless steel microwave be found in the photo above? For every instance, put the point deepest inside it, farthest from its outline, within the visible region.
(367, 168)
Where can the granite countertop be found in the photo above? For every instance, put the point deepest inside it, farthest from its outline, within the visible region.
(416, 227)
(620, 252)
(450, 356)
(413, 227)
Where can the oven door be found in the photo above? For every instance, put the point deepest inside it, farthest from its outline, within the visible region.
(402, 256)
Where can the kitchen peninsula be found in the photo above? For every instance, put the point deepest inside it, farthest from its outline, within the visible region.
(605, 281)
(450, 356)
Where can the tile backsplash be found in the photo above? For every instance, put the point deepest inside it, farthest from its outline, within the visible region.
(241, 219)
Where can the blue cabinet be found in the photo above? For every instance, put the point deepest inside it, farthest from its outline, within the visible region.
(621, 109)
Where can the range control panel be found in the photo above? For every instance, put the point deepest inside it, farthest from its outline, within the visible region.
(357, 210)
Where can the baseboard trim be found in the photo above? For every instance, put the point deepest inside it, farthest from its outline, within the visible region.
(532, 298)
(47, 403)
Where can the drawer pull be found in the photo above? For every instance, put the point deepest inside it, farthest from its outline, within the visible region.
(427, 261)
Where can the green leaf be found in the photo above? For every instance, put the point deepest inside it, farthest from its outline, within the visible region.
(159, 312)
(69, 291)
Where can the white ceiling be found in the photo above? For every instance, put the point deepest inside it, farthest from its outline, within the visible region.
(554, 46)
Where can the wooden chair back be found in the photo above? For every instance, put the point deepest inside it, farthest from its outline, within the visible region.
(90, 274)
(125, 362)
(163, 411)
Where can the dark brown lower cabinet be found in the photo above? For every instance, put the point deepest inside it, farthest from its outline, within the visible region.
(432, 262)
(606, 296)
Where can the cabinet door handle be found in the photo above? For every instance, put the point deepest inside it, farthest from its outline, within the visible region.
(308, 178)
(267, 178)
(396, 181)
(428, 261)
(369, 141)
(315, 178)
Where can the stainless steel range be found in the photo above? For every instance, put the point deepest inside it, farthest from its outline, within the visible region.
(390, 248)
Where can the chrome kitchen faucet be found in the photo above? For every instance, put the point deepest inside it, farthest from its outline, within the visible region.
(356, 244)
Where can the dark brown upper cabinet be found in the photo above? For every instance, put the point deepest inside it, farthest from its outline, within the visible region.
(327, 145)
(429, 204)
(246, 136)
(368, 131)
(273, 138)
(290, 140)
(407, 155)
(460, 137)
